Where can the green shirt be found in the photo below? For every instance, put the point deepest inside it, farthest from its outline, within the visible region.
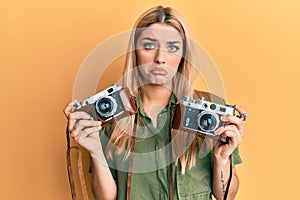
(151, 170)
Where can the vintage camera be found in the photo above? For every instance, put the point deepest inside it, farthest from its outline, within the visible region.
(109, 105)
(200, 116)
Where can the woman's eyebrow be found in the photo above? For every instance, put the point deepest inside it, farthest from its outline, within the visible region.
(174, 42)
(151, 39)
(155, 40)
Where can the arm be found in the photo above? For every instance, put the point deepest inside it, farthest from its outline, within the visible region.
(85, 131)
(221, 155)
(220, 180)
(103, 184)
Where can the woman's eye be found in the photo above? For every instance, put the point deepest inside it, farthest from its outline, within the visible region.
(173, 48)
(148, 46)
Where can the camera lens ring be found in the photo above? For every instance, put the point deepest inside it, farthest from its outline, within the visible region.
(112, 106)
(215, 117)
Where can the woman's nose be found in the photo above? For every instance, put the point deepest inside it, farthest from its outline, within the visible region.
(160, 56)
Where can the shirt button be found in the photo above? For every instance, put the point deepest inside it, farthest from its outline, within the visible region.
(159, 115)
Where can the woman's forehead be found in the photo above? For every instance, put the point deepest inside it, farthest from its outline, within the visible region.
(161, 32)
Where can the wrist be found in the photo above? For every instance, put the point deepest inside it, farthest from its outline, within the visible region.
(219, 160)
(98, 155)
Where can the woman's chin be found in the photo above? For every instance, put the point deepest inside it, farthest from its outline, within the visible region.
(160, 82)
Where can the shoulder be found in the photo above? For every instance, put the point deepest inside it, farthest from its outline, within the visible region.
(208, 96)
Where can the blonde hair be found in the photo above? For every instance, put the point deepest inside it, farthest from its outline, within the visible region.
(181, 82)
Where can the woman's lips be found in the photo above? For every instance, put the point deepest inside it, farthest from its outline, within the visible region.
(158, 71)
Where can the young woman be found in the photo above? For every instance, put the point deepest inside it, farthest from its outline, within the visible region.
(158, 162)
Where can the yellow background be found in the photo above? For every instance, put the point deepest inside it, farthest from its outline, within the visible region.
(255, 45)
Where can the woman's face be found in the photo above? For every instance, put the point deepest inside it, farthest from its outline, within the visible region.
(159, 51)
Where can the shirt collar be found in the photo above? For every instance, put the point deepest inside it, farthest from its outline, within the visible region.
(172, 102)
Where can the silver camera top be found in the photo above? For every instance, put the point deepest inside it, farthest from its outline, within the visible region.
(208, 106)
(93, 99)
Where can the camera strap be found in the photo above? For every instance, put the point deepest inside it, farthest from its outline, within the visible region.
(80, 169)
(229, 180)
(131, 157)
(171, 153)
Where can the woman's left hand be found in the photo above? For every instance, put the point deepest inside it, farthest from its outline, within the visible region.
(234, 132)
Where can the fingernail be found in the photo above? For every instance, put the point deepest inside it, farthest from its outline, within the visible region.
(99, 123)
(222, 118)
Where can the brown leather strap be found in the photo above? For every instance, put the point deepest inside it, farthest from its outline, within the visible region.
(171, 174)
(131, 157)
(69, 167)
(80, 170)
(171, 154)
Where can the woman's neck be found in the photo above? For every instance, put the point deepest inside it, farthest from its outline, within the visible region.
(155, 98)
(156, 94)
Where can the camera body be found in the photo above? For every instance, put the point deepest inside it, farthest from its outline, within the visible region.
(200, 116)
(109, 105)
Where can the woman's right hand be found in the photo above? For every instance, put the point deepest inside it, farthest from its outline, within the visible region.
(84, 129)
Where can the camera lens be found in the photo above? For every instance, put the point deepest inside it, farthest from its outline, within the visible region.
(207, 122)
(105, 106)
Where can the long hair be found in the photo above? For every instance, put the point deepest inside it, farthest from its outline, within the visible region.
(182, 84)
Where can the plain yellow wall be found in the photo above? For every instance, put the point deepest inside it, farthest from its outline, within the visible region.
(255, 45)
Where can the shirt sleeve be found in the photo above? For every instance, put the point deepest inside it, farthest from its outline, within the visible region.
(235, 157)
